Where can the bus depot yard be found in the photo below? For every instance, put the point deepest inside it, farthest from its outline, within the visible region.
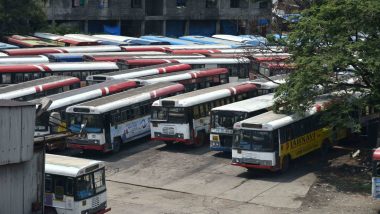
(180, 126)
(150, 177)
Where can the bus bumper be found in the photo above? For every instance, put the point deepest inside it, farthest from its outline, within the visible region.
(185, 141)
(104, 211)
(255, 166)
(220, 149)
(86, 147)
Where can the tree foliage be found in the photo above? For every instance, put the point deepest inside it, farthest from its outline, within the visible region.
(332, 37)
(21, 16)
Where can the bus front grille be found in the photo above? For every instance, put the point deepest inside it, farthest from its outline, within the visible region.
(95, 202)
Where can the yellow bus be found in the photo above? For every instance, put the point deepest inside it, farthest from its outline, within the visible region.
(270, 141)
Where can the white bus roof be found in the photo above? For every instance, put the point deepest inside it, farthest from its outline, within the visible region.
(70, 166)
(207, 94)
(23, 59)
(249, 105)
(270, 120)
(127, 98)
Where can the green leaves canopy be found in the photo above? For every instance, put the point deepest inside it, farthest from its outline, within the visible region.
(21, 16)
(331, 37)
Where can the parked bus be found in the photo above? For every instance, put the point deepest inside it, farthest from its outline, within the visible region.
(28, 41)
(168, 48)
(274, 68)
(74, 185)
(185, 118)
(116, 58)
(78, 57)
(104, 124)
(39, 88)
(270, 141)
(261, 39)
(11, 74)
(172, 41)
(81, 49)
(54, 119)
(7, 46)
(224, 117)
(70, 41)
(132, 40)
(238, 67)
(3, 54)
(376, 174)
(192, 79)
(23, 59)
(138, 72)
(248, 41)
(212, 41)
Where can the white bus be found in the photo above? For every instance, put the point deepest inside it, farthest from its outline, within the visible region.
(104, 124)
(74, 185)
(185, 118)
(239, 68)
(224, 117)
(34, 89)
(270, 141)
(138, 72)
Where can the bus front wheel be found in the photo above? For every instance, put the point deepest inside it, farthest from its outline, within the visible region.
(50, 210)
(116, 145)
(285, 164)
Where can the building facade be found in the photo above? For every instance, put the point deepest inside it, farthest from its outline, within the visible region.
(163, 17)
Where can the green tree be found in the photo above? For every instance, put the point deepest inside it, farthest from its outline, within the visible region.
(331, 37)
(21, 16)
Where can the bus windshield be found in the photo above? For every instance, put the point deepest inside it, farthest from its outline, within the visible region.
(91, 123)
(223, 119)
(90, 184)
(170, 115)
(252, 140)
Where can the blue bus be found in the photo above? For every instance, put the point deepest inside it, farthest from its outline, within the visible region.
(172, 41)
(232, 38)
(212, 41)
(261, 39)
(131, 40)
(7, 46)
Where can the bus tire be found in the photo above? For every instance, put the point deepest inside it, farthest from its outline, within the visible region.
(285, 164)
(116, 145)
(168, 143)
(50, 210)
(200, 140)
(325, 147)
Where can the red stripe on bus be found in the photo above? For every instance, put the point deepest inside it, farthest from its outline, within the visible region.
(59, 84)
(33, 51)
(180, 67)
(200, 51)
(211, 72)
(239, 89)
(167, 90)
(45, 67)
(134, 49)
(121, 86)
(37, 88)
(104, 91)
(19, 69)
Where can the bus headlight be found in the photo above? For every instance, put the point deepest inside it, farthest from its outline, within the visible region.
(97, 141)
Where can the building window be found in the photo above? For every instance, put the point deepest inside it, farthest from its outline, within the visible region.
(136, 4)
(263, 4)
(104, 3)
(181, 3)
(234, 3)
(211, 3)
(78, 3)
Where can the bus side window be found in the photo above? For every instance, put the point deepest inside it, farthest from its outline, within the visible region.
(48, 183)
(288, 133)
(59, 187)
(70, 186)
(195, 112)
(201, 110)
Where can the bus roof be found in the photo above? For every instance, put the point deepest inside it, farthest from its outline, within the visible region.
(59, 67)
(23, 59)
(237, 39)
(86, 93)
(7, 46)
(183, 75)
(185, 61)
(36, 86)
(78, 57)
(70, 166)
(127, 98)
(270, 120)
(116, 58)
(132, 40)
(48, 36)
(211, 41)
(249, 105)
(172, 41)
(141, 71)
(75, 49)
(207, 94)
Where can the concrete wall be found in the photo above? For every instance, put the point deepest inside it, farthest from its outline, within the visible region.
(159, 11)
